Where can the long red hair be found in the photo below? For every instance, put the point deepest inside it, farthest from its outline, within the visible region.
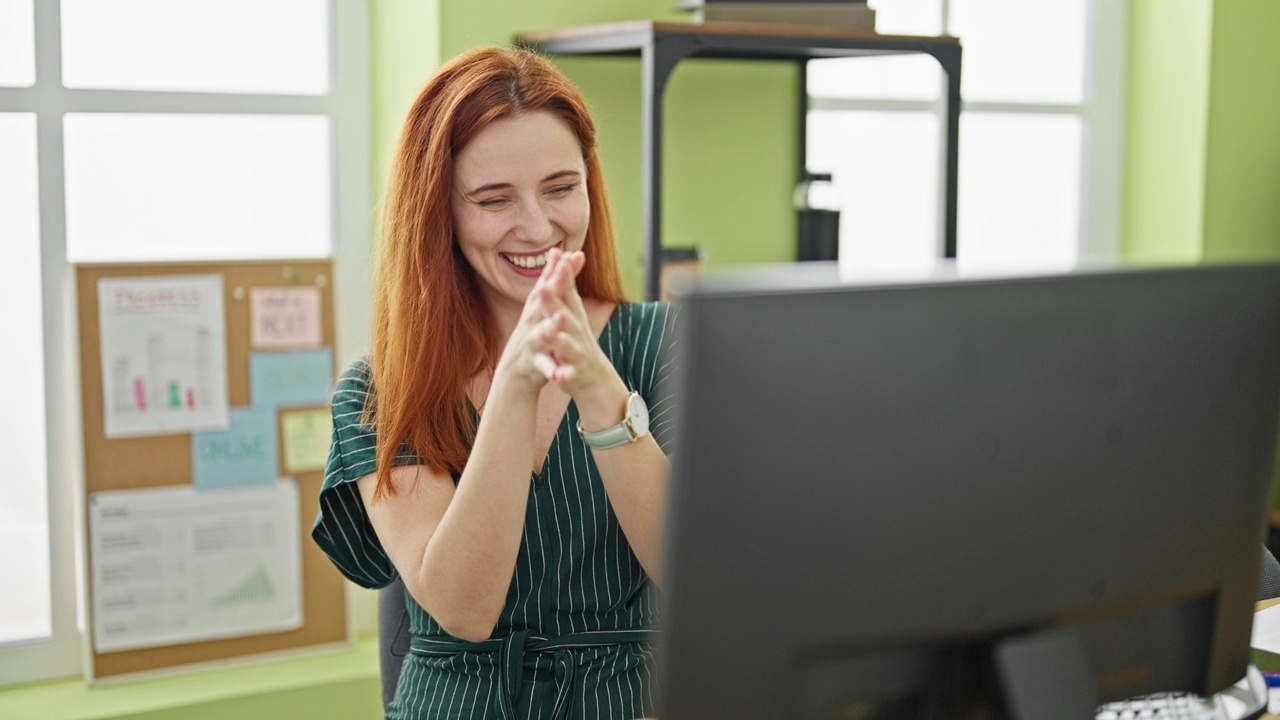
(431, 323)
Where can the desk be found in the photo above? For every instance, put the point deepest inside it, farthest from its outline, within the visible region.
(662, 45)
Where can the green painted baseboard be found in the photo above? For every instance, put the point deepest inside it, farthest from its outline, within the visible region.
(340, 684)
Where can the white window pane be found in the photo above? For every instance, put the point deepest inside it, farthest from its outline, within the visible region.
(17, 44)
(181, 187)
(249, 46)
(885, 166)
(24, 514)
(908, 17)
(1021, 51)
(894, 77)
(1019, 190)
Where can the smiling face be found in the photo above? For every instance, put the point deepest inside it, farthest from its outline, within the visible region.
(519, 190)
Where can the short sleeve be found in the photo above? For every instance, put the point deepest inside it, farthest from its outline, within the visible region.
(342, 528)
(654, 360)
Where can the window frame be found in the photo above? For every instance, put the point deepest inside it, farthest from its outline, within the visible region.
(347, 104)
(1101, 110)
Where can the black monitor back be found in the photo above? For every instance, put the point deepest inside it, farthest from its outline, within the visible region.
(874, 484)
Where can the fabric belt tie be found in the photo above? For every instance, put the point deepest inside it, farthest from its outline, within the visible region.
(516, 647)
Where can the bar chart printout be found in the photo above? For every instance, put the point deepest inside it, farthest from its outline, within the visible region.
(164, 350)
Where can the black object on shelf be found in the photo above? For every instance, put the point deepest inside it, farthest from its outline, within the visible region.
(819, 235)
(818, 218)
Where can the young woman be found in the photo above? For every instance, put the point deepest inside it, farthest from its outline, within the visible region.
(501, 449)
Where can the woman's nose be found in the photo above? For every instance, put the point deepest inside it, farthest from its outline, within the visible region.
(534, 224)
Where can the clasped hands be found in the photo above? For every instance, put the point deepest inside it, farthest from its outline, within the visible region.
(553, 341)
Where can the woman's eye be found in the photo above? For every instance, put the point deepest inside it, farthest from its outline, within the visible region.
(492, 203)
(560, 190)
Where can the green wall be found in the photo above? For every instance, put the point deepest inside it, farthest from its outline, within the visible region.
(405, 47)
(1203, 158)
(1242, 149)
(1167, 114)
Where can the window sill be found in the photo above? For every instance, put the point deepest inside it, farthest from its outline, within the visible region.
(342, 683)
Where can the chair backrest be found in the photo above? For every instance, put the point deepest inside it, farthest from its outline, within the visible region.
(1269, 580)
(393, 636)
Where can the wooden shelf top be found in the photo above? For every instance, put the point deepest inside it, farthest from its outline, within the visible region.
(629, 36)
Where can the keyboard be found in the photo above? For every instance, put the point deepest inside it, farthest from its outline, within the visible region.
(1245, 700)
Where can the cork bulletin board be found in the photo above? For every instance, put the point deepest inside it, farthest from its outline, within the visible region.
(161, 460)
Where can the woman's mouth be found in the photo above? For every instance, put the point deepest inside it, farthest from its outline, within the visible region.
(529, 263)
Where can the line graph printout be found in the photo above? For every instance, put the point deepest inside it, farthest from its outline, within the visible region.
(164, 354)
(175, 565)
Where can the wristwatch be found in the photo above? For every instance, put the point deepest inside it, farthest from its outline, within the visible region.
(634, 425)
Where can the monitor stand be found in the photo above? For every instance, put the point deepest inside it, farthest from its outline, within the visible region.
(1045, 676)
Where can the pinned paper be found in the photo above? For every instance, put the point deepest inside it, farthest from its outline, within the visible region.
(163, 354)
(243, 456)
(304, 436)
(285, 317)
(304, 377)
(174, 565)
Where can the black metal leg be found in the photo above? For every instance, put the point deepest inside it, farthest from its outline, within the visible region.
(658, 60)
(802, 132)
(949, 57)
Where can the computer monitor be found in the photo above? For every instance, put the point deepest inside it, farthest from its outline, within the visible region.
(931, 499)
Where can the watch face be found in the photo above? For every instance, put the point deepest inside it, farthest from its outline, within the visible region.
(638, 414)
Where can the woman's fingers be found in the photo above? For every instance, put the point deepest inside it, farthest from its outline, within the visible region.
(565, 346)
(549, 270)
(546, 365)
(551, 326)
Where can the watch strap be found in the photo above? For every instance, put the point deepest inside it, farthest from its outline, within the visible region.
(610, 437)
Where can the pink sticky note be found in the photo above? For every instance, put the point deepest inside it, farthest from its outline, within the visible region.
(285, 317)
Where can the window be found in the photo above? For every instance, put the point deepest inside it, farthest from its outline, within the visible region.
(1042, 111)
(249, 141)
(17, 44)
(23, 503)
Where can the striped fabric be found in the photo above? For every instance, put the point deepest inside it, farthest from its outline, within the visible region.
(573, 639)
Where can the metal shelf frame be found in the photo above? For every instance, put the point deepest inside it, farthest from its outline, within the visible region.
(661, 46)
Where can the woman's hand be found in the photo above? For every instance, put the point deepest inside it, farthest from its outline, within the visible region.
(580, 366)
(528, 357)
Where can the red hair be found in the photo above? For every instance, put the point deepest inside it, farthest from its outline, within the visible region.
(431, 323)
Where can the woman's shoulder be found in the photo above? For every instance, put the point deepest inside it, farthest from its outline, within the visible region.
(351, 391)
(357, 378)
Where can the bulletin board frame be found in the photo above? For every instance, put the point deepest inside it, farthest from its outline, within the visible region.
(166, 460)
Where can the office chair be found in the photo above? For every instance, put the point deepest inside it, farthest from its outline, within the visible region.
(1269, 580)
(393, 635)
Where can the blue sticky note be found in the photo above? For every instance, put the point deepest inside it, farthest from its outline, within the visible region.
(244, 455)
(304, 377)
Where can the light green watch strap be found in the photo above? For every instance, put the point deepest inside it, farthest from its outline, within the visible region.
(609, 437)
(634, 425)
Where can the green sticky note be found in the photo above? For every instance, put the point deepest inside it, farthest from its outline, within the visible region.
(305, 439)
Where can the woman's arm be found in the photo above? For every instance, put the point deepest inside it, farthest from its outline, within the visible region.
(456, 547)
(635, 475)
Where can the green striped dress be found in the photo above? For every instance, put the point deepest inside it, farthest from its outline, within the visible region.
(575, 638)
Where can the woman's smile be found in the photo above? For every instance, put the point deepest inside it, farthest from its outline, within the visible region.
(529, 264)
